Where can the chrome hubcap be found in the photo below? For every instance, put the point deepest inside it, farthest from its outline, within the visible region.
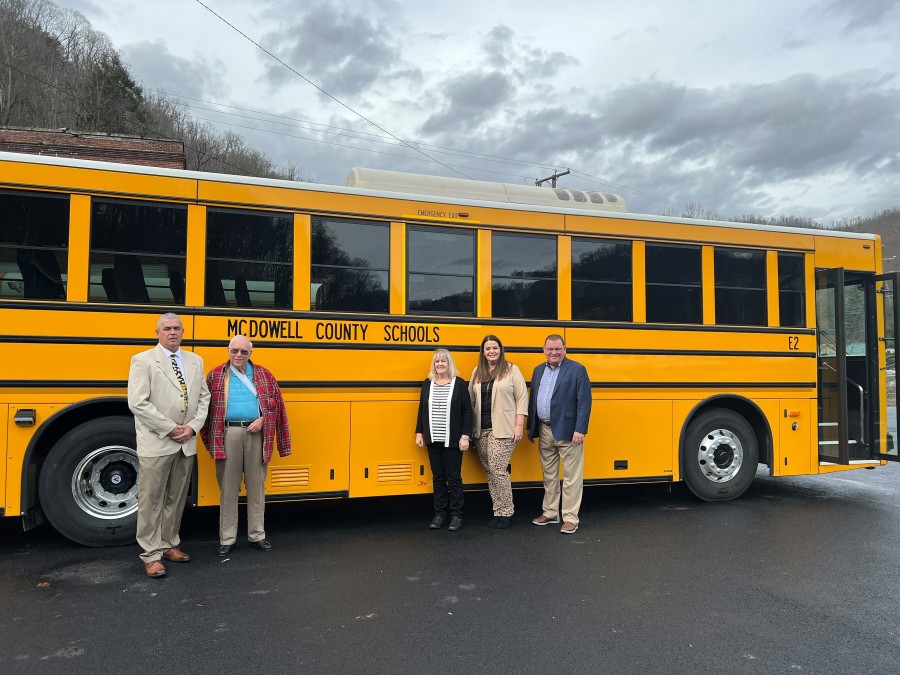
(105, 482)
(720, 455)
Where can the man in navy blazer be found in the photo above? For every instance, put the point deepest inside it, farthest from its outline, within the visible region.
(558, 414)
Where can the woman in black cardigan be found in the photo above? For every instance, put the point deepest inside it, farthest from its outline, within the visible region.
(444, 424)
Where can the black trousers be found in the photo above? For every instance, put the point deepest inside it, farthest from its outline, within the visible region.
(446, 467)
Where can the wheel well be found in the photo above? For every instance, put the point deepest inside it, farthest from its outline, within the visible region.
(49, 434)
(746, 409)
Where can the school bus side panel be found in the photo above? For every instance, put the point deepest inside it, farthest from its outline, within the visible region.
(317, 465)
(384, 459)
(796, 422)
(628, 439)
(17, 440)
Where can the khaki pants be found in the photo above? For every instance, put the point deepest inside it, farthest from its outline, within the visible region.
(572, 456)
(162, 490)
(243, 458)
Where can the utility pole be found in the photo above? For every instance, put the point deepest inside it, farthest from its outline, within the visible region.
(552, 178)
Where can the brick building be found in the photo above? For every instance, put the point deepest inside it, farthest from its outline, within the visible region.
(95, 146)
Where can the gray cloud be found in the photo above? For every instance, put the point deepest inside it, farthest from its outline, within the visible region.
(797, 131)
(794, 127)
(527, 62)
(154, 64)
(87, 8)
(732, 148)
(498, 45)
(342, 51)
(549, 134)
(471, 99)
(862, 14)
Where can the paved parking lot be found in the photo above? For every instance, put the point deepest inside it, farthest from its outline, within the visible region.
(799, 575)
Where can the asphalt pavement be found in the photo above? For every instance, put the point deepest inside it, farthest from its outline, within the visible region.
(798, 575)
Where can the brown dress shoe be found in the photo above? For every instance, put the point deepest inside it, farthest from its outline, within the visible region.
(155, 569)
(569, 527)
(544, 520)
(175, 554)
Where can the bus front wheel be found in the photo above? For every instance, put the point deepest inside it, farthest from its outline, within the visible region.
(88, 484)
(719, 455)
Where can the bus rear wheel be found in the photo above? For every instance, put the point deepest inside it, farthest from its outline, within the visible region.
(88, 484)
(719, 456)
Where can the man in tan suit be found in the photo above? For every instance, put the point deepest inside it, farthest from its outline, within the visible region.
(168, 395)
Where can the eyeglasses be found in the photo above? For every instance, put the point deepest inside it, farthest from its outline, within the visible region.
(242, 352)
(554, 349)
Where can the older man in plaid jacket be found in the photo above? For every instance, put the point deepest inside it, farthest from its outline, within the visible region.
(246, 413)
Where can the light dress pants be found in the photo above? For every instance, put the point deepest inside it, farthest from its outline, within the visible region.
(572, 456)
(162, 491)
(243, 459)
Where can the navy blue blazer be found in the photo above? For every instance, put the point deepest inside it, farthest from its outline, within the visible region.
(570, 405)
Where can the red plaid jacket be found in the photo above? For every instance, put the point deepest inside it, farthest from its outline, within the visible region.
(275, 420)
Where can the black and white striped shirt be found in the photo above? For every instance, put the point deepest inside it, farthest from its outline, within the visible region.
(440, 399)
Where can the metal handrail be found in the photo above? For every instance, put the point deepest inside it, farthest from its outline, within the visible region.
(862, 426)
(862, 393)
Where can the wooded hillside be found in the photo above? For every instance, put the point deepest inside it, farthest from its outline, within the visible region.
(56, 72)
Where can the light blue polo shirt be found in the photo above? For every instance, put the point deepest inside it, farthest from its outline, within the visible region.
(242, 403)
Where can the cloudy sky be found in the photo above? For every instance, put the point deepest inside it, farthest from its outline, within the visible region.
(774, 107)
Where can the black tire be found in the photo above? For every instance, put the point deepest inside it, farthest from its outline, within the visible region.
(88, 483)
(719, 456)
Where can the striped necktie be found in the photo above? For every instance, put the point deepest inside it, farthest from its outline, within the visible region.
(181, 381)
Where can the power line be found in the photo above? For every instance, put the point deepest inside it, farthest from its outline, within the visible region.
(375, 138)
(399, 140)
(318, 88)
(366, 137)
(625, 188)
(355, 147)
(244, 171)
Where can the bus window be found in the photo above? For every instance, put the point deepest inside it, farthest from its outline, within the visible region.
(791, 290)
(137, 252)
(524, 276)
(740, 287)
(441, 266)
(674, 284)
(601, 280)
(34, 238)
(249, 259)
(350, 265)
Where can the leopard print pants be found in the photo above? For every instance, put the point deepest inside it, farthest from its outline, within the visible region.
(495, 454)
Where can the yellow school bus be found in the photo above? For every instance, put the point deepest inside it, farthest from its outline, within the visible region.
(712, 347)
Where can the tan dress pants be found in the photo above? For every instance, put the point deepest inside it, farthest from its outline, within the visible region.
(243, 459)
(162, 490)
(572, 456)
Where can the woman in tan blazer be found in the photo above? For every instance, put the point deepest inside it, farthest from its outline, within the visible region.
(500, 402)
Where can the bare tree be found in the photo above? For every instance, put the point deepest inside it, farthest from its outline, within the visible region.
(25, 48)
(56, 70)
(694, 210)
(780, 221)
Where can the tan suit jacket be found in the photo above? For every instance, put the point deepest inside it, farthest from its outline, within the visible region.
(509, 397)
(155, 397)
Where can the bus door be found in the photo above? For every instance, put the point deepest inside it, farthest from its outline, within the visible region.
(844, 369)
(886, 285)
